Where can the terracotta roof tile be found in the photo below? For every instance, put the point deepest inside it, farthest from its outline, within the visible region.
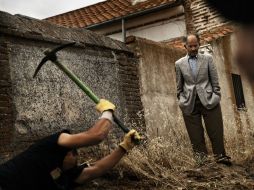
(103, 11)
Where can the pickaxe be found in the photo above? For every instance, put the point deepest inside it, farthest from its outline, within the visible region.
(51, 56)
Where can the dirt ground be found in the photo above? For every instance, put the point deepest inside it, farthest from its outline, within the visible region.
(208, 176)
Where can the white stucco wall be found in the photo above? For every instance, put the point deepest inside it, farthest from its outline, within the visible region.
(159, 31)
(239, 121)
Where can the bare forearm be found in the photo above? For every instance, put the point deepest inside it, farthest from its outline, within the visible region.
(101, 129)
(102, 166)
(109, 161)
(96, 134)
(93, 136)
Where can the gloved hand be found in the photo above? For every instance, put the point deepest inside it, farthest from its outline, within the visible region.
(105, 105)
(129, 140)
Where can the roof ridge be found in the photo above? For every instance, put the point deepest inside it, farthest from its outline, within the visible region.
(105, 11)
(77, 9)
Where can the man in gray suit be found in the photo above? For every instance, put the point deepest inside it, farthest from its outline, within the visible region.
(199, 95)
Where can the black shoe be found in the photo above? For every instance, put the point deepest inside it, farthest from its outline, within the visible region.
(223, 159)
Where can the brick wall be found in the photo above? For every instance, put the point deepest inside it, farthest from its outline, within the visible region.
(201, 17)
(6, 113)
(131, 90)
(188, 17)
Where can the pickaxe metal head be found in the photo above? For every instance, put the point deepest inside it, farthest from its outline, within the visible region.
(51, 55)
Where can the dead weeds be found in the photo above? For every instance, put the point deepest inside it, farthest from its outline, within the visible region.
(167, 162)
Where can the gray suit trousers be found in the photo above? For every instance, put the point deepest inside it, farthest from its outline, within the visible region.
(213, 124)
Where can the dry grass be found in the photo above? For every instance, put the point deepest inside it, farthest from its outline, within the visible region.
(167, 162)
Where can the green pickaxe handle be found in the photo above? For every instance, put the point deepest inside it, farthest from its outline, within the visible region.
(88, 92)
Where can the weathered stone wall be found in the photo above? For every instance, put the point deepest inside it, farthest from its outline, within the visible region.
(32, 108)
(6, 111)
(158, 86)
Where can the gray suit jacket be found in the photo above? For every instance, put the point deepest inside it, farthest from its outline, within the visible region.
(205, 84)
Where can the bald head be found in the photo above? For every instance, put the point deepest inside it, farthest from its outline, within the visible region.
(192, 44)
(191, 37)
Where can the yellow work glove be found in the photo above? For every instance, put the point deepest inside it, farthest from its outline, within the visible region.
(105, 105)
(129, 140)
